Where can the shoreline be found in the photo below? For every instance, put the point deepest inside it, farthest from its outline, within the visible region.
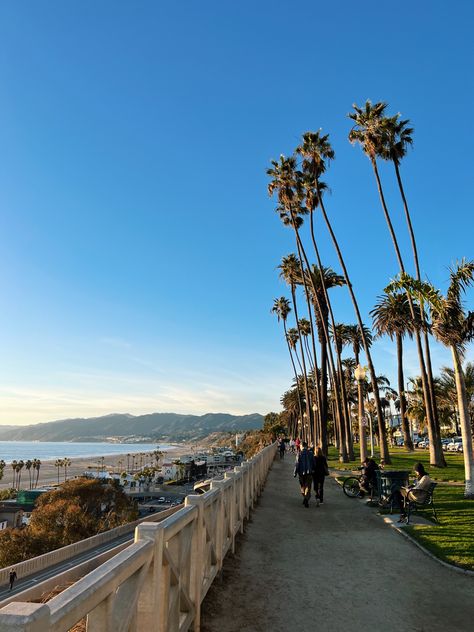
(48, 473)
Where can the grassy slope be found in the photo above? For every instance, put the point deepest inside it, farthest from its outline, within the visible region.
(453, 539)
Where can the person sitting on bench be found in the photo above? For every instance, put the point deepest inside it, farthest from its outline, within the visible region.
(413, 493)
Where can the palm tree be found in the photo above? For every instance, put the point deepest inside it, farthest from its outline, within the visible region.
(317, 151)
(37, 466)
(340, 336)
(13, 464)
(448, 393)
(290, 271)
(28, 465)
(392, 318)
(58, 463)
(66, 464)
(320, 281)
(369, 130)
(454, 328)
(19, 467)
(281, 307)
(397, 137)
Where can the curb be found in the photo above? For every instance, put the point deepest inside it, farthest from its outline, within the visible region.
(453, 567)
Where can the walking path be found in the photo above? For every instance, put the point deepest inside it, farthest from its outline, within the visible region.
(333, 568)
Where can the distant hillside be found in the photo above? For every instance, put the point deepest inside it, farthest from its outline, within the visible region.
(169, 426)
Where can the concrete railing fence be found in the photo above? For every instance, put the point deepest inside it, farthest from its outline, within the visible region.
(158, 583)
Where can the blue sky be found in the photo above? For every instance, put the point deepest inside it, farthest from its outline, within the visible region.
(138, 244)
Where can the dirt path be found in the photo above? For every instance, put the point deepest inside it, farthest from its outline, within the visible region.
(333, 568)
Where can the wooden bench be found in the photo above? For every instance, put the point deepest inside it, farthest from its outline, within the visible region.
(428, 501)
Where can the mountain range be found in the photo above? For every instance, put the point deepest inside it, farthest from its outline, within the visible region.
(163, 426)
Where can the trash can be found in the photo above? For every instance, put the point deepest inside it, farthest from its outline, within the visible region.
(391, 480)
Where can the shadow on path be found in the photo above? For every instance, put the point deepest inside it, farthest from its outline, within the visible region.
(333, 568)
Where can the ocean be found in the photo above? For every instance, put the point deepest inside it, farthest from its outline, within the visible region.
(51, 450)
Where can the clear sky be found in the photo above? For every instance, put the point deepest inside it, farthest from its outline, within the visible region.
(138, 246)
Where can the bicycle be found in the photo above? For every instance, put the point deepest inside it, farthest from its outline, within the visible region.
(351, 488)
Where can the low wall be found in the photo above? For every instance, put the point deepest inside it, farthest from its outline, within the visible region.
(157, 583)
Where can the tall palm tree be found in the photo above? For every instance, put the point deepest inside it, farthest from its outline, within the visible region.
(320, 281)
(66, 463)
(290, 268)
(37, 466)
(370, 131)
(392, 318)
(28, 466)
(454, 328)
(397, 138)
(58, 463)
(13, 464)
(317, 152)
(340, 336)
(281, 307)
(447, 387)
(19, 467)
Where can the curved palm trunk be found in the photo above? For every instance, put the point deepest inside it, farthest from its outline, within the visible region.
(294, 367)
(301, 251)
(403, 403)
(303, 361)
(436, 452)
(384, 452)
(464, 419)
(418, 277)
(317, 417)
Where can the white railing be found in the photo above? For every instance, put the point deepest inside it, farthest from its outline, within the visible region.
(158, 583)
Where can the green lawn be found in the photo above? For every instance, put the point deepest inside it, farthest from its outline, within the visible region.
(402, 460)
(453, 539)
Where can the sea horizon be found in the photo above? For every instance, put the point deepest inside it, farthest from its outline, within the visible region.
(51, 450)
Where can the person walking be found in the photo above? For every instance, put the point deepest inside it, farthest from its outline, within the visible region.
(320, 472)
(12, 577)
(304, 470)
(282, 447)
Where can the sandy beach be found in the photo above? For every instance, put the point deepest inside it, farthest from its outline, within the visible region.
(49, 472)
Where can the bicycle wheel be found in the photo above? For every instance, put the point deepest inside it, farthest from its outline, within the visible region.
(351, 487)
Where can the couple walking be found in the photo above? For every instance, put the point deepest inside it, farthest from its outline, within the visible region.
(311, 469)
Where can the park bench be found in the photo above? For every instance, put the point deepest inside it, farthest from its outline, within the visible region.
(428, 501)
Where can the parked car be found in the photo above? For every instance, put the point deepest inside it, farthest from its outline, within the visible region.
(445, 443)
(424, 443)
(453, 445)
(161, 499)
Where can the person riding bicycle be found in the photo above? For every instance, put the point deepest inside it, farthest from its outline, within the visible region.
(368, 478)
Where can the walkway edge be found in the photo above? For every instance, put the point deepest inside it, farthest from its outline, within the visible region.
(453, 567)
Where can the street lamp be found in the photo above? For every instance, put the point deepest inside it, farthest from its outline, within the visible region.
(359, 374)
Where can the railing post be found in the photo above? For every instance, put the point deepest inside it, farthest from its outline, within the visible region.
(149, 615)
(197, 557)
(220, 526)
(25, 617)
(232, 508)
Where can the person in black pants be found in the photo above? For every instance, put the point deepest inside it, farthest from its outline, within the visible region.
(321, 470)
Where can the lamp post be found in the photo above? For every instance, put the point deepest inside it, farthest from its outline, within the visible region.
(316, 424)
(305, 426)
(359, 374)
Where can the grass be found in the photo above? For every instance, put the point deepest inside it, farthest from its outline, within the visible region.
(452, 540)
(402, 460)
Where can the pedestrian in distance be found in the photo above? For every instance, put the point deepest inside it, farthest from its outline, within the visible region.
(304, 469)
(320, 472)
(12, 577)
(282, 447)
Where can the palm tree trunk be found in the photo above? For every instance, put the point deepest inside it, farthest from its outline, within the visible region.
(436, 452)
(464, 419)
(403, 403)
(294, 367)
(302, 252)
(384, 452)
(303, 367)
(429, 369)
(324, 394)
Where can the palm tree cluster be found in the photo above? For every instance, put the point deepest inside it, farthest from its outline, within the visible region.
(324, 390)
(17, 467)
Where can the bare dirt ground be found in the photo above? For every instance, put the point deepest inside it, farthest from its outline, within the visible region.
(333, 568)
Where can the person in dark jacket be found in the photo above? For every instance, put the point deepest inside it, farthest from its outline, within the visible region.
(304, 470)
(321, 470)
(368, 479)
